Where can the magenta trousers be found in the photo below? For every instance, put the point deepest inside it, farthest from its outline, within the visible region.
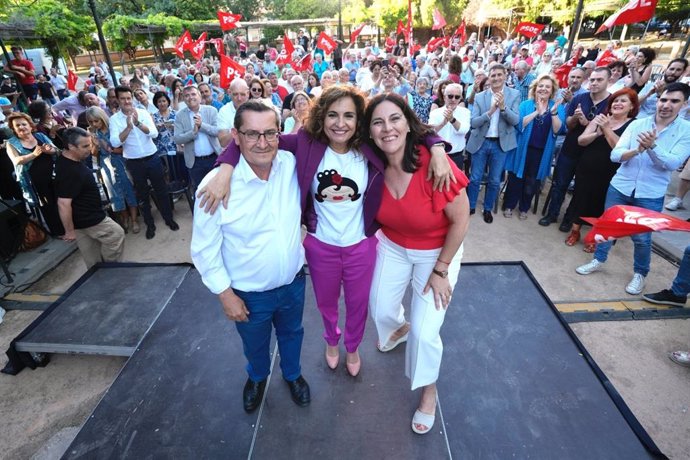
(352, 268)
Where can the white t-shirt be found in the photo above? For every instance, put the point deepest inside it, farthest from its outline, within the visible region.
(338, 191)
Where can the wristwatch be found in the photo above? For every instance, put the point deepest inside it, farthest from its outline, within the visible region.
(441, 273)
(453, 120)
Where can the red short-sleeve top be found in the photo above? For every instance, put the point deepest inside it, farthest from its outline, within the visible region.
(417, 220)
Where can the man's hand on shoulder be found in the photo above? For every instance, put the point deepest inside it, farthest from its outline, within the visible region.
(233, 306)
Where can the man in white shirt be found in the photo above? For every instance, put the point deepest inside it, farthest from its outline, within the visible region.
(239, 92)
(251, 254)
(134, 130)
(649, 150)
(452, 122)
(196, 127)
(59, 82)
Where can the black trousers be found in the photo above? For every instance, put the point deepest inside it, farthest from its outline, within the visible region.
(143, 171)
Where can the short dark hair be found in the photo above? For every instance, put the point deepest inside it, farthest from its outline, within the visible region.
(683, 61)
(160, 95)
(253, 106)
(121, 90)
(678, 86)
(71, 136)
(619, 64)
(317, 115)
(415, 136)
(606, 70)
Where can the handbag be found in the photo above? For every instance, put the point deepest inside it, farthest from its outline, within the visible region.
(34, 236)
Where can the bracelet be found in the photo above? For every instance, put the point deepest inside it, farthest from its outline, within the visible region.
(442, 261)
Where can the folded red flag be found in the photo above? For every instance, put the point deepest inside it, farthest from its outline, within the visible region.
(619, 221)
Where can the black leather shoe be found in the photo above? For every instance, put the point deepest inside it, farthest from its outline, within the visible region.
(253, 394)
(173, 225)
(299, 390)
(488, 217)
(472, 211)
(150, 232)
(565, 226)
(546, 221)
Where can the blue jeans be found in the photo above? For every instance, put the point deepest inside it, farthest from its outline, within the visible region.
(202, 166)
(562, 175)
(643, 241)
(489, 153)
(281, 307)
(681, 285)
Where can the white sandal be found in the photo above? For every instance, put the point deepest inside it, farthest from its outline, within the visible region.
(420, 418)
(680, 357)
(390, 345)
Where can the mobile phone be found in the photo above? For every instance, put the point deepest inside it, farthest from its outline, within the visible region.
(385, 63)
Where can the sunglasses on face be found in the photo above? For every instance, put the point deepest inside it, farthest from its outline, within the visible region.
(453, 96)
(256, 90)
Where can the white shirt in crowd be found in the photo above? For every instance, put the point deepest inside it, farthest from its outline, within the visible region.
(137, 144)
(255, 244)
(456, 137)
(226, 116)
(338, 188)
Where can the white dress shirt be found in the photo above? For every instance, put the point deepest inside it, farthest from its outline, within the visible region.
(202, 144)
(226, 116)
(255, 244)
(137, 144)
(649, 173)
(493, 121)
(456, 137)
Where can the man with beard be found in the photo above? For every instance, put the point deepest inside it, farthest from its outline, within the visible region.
(649, 94)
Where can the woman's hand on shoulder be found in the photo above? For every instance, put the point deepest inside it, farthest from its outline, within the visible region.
(439, 169)
(216, 190)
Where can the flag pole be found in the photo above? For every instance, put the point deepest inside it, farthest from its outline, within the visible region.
(645, 30)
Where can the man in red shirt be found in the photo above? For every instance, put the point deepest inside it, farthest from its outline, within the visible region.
(390, 42)
(25, 73)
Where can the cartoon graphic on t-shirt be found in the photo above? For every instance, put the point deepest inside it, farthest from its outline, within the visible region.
(336, 188)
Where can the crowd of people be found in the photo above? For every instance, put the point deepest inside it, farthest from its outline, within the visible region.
(347, 148)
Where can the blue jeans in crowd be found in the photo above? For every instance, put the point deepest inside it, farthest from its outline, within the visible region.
(643, 241)
(489, 153)
(562, 176)
(281, 307)
(681, 285)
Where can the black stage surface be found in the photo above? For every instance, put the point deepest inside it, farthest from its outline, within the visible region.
(515, 383)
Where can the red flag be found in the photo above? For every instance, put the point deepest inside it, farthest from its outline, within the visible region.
(303, 64)
(619, 221)
(228, 21)
(436, 42)
(72, 80)
(606, 58)
(183, 43)
(401, 27)
(634, 11)
(439, 20)
(355, 33)
(218, 43)
(286, 53)
(529, 29)
(198, 47)
(563, 70)
(326, 43)
(229, 70)
(461, 32)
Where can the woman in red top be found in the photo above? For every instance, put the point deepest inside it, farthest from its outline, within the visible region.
(420, 239)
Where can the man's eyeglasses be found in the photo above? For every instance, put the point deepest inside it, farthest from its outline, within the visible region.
(453, 96)
(253, 136)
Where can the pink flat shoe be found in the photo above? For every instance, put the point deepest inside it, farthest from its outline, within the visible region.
(353, 368)
(332, 360)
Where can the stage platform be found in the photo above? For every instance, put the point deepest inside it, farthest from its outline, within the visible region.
(515, 383)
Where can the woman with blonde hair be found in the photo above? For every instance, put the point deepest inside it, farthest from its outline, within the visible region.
(541, 119)
(123, 201)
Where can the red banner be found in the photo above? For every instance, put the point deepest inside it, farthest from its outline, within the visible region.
(303, 64)
(620, 221)
(355, 33)
(529, 29)
(436, 42)
(229, 70)
(439, 20)
(606, 58)
(563, 70)
(401, 27)
(198, 47)
(218, 43)
(228, 21)
(461, 32)
(634, 11)
(72, 80)
(183, 43)
(286, 53)
(326, 43)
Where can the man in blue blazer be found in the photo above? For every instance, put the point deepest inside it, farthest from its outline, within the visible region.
(495, 114)
(196, 127)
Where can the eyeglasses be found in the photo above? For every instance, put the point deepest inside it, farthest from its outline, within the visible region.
(453, 96)
(256, 90)
(592, 113)
(253, 136)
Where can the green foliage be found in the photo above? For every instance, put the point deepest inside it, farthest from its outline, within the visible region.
(302, 9)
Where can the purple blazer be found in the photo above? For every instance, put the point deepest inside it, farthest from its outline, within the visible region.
(309, 152)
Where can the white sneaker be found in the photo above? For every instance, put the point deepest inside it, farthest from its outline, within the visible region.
(635, 285)
(2, 313)
(591, 267)
(675, 204)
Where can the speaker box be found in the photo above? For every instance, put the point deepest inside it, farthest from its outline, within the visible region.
(12, 221)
